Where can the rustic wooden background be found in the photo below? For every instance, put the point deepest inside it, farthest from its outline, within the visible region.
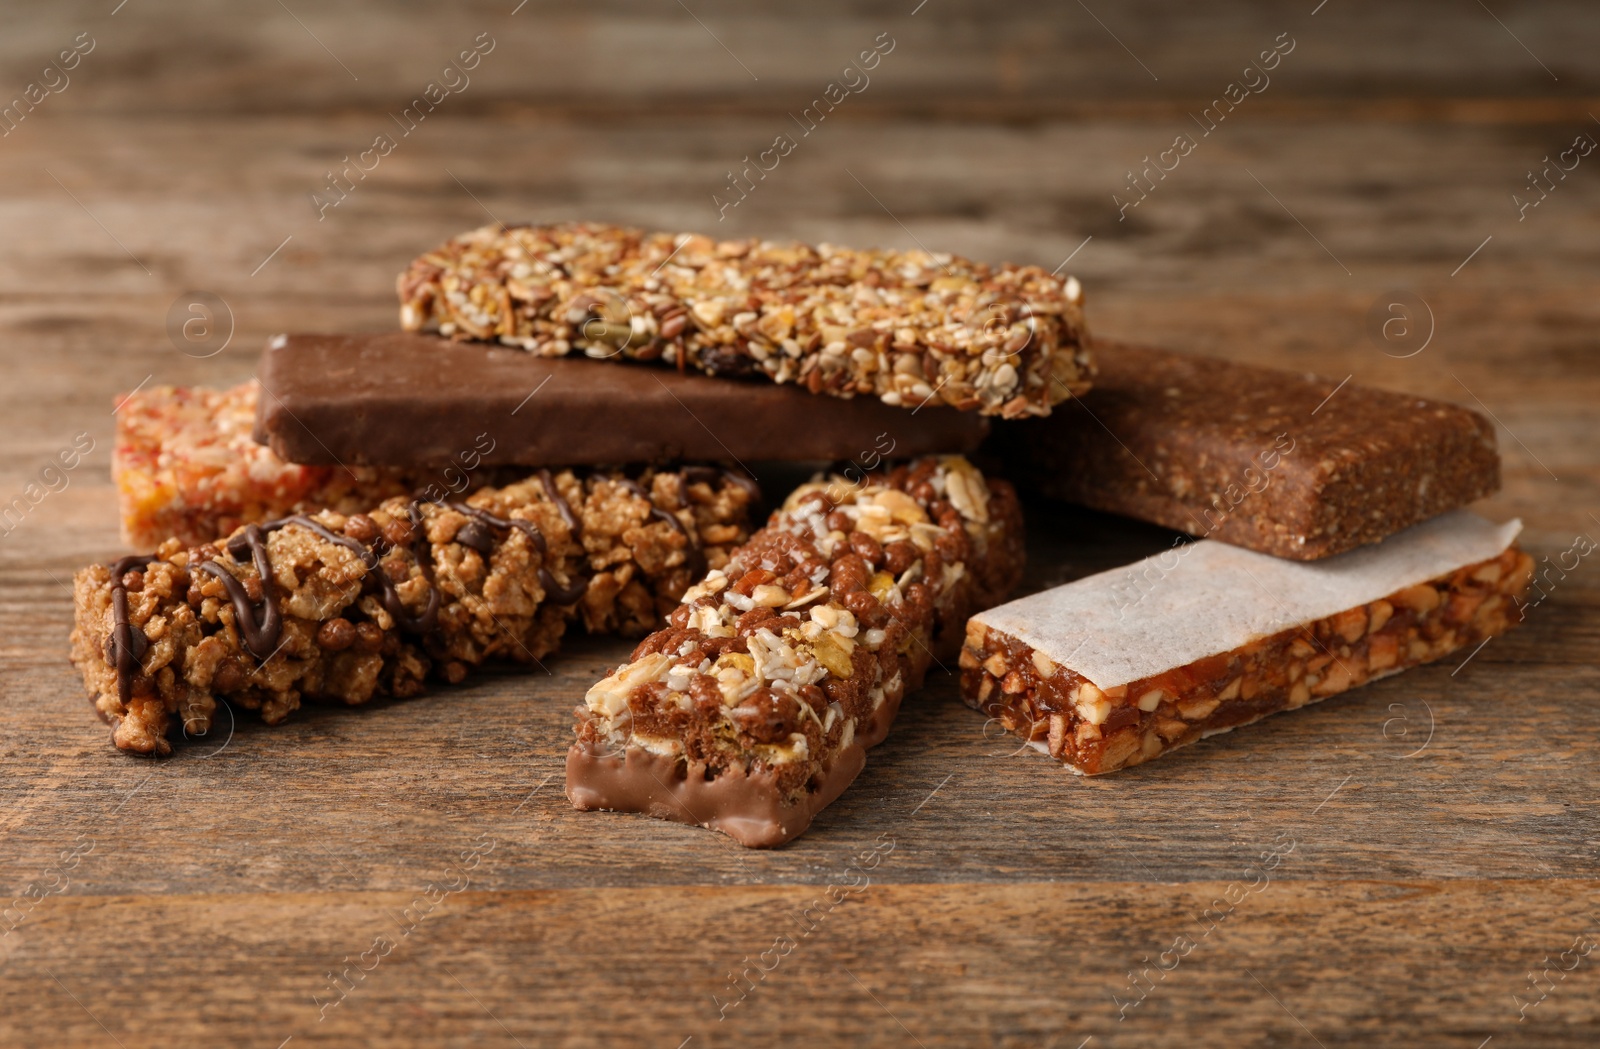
(1443, 823)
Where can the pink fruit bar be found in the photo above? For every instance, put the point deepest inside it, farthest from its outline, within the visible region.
(185, 464)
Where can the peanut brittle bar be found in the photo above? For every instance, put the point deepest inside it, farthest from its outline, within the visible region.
(185, 465)
(1223, 637)
(1282, 462)
(909, 328)
(345, 607)
(754, 707)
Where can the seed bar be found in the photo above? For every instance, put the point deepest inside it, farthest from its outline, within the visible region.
(910, 328)
(1220, 637)
(1276, 461)
(754, 707)
(343, 608)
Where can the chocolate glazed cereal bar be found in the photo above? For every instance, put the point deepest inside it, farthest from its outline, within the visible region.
(754, 708)
(907, 327)
(1225, 636)
(347, 607)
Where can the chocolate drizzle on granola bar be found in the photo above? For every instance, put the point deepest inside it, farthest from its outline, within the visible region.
(262, 627)
(475, 534)
(711, 474)
(126, 645)
(574, 523)
(259, 628)
(696, 556)
(421, 624)
(390, 596)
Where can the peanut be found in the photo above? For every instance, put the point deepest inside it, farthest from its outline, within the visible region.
(1119, 748)
(1170, 728)
(1421, 598)
(1338, 679)
(1383, 652)
(1351, 624)
(1299, 695)
(1043, 664)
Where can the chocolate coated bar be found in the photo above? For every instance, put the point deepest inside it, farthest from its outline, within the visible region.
(753, 708)
(396, 399)
(1221, 637)
(1271, 460)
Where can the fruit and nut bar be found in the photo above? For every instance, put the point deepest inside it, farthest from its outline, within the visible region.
(421, 401)
(344, 607)
(1276, 461)
(186, 466)
(907, 327)
(1121, 667)
(754, 707)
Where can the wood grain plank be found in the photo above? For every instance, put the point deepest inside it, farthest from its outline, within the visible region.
(1416, 963)
(728, 57)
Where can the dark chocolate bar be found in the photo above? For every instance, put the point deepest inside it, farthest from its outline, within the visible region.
(406, 400)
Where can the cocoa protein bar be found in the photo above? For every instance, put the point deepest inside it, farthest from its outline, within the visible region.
(1221, 637)
(1276, 461)
(754, 707)
(345, 607)
(907, 327)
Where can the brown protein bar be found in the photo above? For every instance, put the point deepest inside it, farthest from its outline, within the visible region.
(1121, 667)
(754, 708)
(343, 608)
(417, 401)
(1270, 460)
(909, 328)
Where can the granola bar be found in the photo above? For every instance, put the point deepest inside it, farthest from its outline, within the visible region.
(1276, 461)
(185, 465)
(754, 707)
(345, 607)
(1219, 637)
(909, 328)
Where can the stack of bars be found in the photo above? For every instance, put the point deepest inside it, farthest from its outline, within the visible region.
(557, 440)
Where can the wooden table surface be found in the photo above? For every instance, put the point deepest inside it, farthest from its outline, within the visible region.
(1433, 836)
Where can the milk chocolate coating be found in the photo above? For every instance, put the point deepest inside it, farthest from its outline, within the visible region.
(1234, 452)
(401, 399)
(741, 804)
